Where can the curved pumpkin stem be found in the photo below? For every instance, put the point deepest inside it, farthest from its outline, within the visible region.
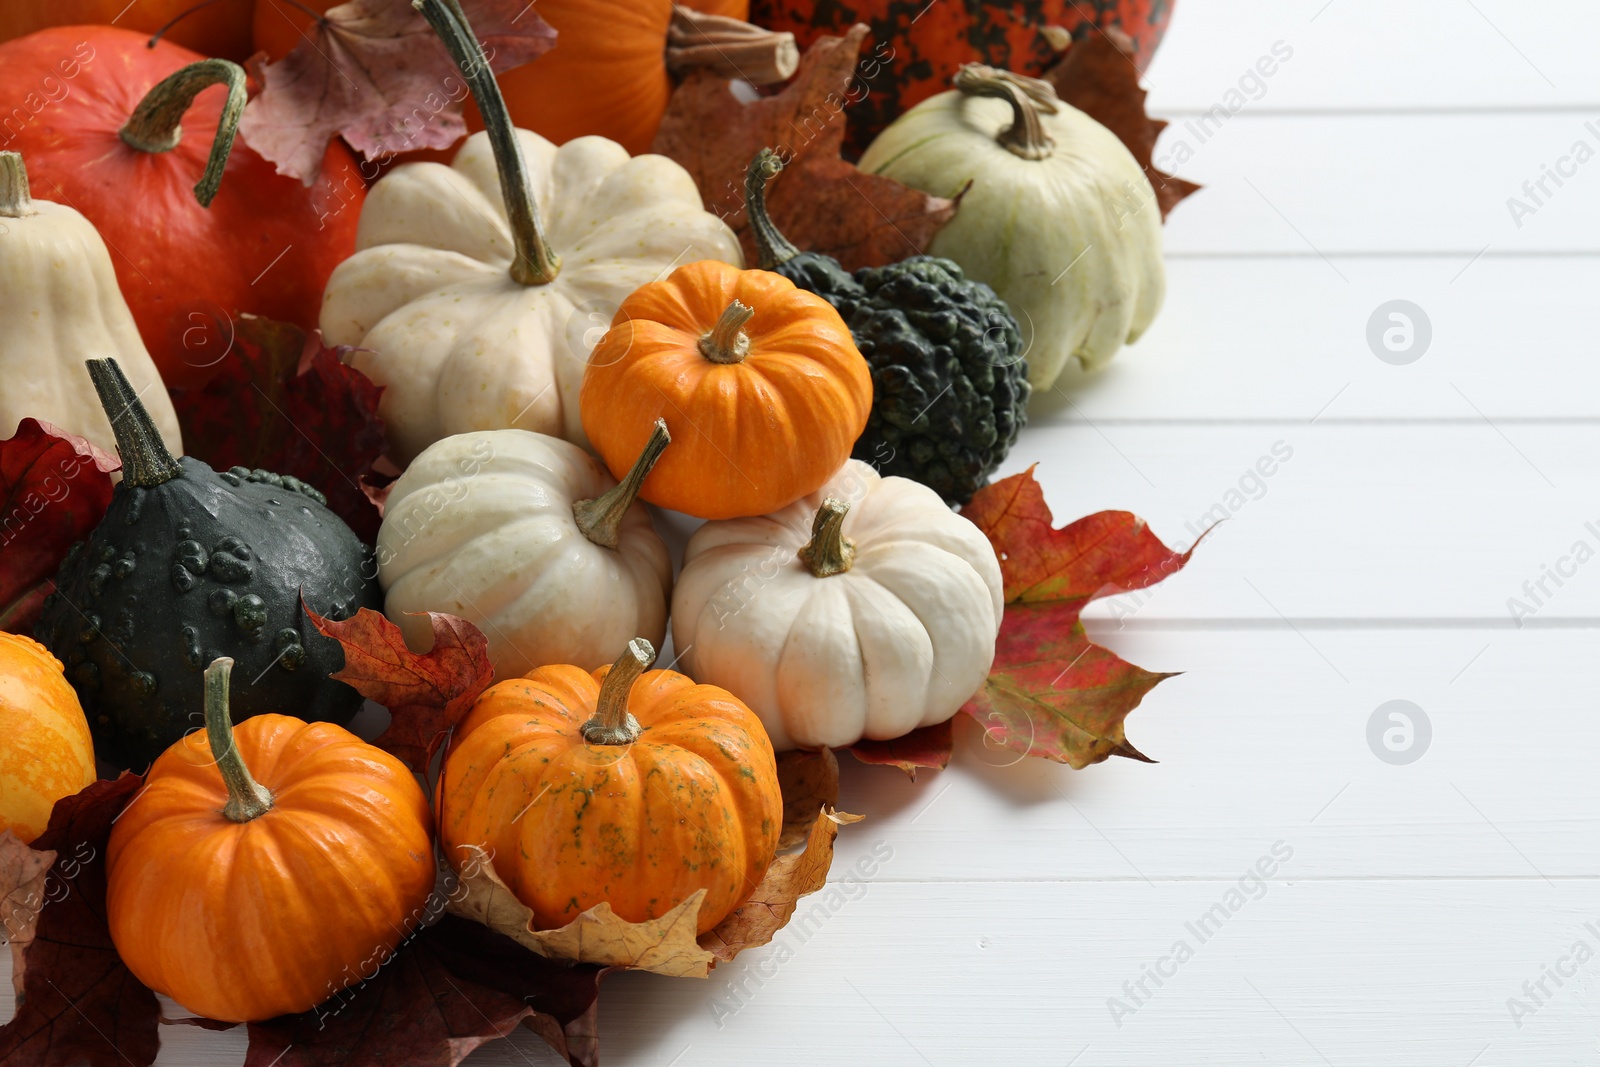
(145, 459)
(533, 262)
(247, 799)
(729, 47)
(1025, 136)
(600, 519)
(726, 342)
(15, 201)
(612, 723)
(773, 249)
(829, 551)
(155, 125)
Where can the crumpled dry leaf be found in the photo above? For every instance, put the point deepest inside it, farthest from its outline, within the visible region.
(1052, 692)
(427, 694)
(1099, 75)
(22, 877)
(819, 201)
(373, 72)
(809, 782)
(928, 748)
(54, 488)
(790, 877)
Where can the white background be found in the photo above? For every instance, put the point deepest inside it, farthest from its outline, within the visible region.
(1376, 565)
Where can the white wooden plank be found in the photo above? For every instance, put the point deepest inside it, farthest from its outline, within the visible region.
(1333, 185)
(1286, 339)
(1376, 54)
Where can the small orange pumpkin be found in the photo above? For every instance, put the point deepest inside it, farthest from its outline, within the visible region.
(614, 787)
(47, 752)
(246, 901)
(760, 383)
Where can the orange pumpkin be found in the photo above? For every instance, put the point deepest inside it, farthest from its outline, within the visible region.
(606, 75)
(220, 29)
(760, 383)
(613, 787)
(244, 901)
(47, 752)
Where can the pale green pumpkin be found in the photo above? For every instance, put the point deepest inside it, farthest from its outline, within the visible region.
(1059, 220)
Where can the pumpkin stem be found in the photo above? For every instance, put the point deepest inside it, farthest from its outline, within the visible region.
(533, 261)
(729, 48)
(1025, 136)
(612, 724)
(600, 519)
(773, 249)
(15, 203)
(155, 125)
(145, 459)
(247, 799)
(829, 551)
(726, 342)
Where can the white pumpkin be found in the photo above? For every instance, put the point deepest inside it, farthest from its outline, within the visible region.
(60, 305)
(867, 609)
(530, 539)
(462, 307)
(1059, 220)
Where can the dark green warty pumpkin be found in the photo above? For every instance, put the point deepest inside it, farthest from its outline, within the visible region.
(949, 381)
(188, 565)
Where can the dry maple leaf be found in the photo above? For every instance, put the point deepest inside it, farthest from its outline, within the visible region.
(927, 748)
(820, 202)
(285, 402)
(373, 72)
(54, 488)
(1098, 75)
(427, 693)
(22, 878)
(809, 782)
(79, 1004)
(1051, 692)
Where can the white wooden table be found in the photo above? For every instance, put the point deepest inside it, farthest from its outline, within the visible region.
(1022, 907)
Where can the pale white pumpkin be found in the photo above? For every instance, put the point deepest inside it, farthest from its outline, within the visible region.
(472, 317)
(60, 305)
(1059, 219)
(899, 638)
(530, 539)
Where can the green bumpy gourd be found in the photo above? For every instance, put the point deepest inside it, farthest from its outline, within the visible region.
(190, 564)
(949, 379)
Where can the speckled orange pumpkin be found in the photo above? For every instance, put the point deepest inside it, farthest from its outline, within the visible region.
(47, 753)
(614, 787)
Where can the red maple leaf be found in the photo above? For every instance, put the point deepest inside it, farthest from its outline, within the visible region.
(1051, 691)
(926, 748)
(283, 401)
(54, 489)
(79, 1003)
(427, 694)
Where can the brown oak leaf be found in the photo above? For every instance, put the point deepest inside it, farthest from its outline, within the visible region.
(1099, 75)
(927, 748)
(54, 488)
(79, 1003)
(1051, 691)
(373, 72)
(426, 693)
(283, 401)
(819, 201)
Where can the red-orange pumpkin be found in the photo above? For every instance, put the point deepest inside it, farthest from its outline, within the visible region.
(637, 791)
(219, 29)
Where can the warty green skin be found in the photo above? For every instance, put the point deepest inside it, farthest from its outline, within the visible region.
(200, 566)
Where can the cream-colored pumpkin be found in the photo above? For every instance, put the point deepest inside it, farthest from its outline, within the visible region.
(1060, 219)
(529, 538)
(898, 639)
(60, 305)
(472, 317)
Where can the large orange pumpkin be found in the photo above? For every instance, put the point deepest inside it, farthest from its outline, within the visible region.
(243, 900)
(220, 29)
(613, 787)
(47, 752)
(760, 383)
